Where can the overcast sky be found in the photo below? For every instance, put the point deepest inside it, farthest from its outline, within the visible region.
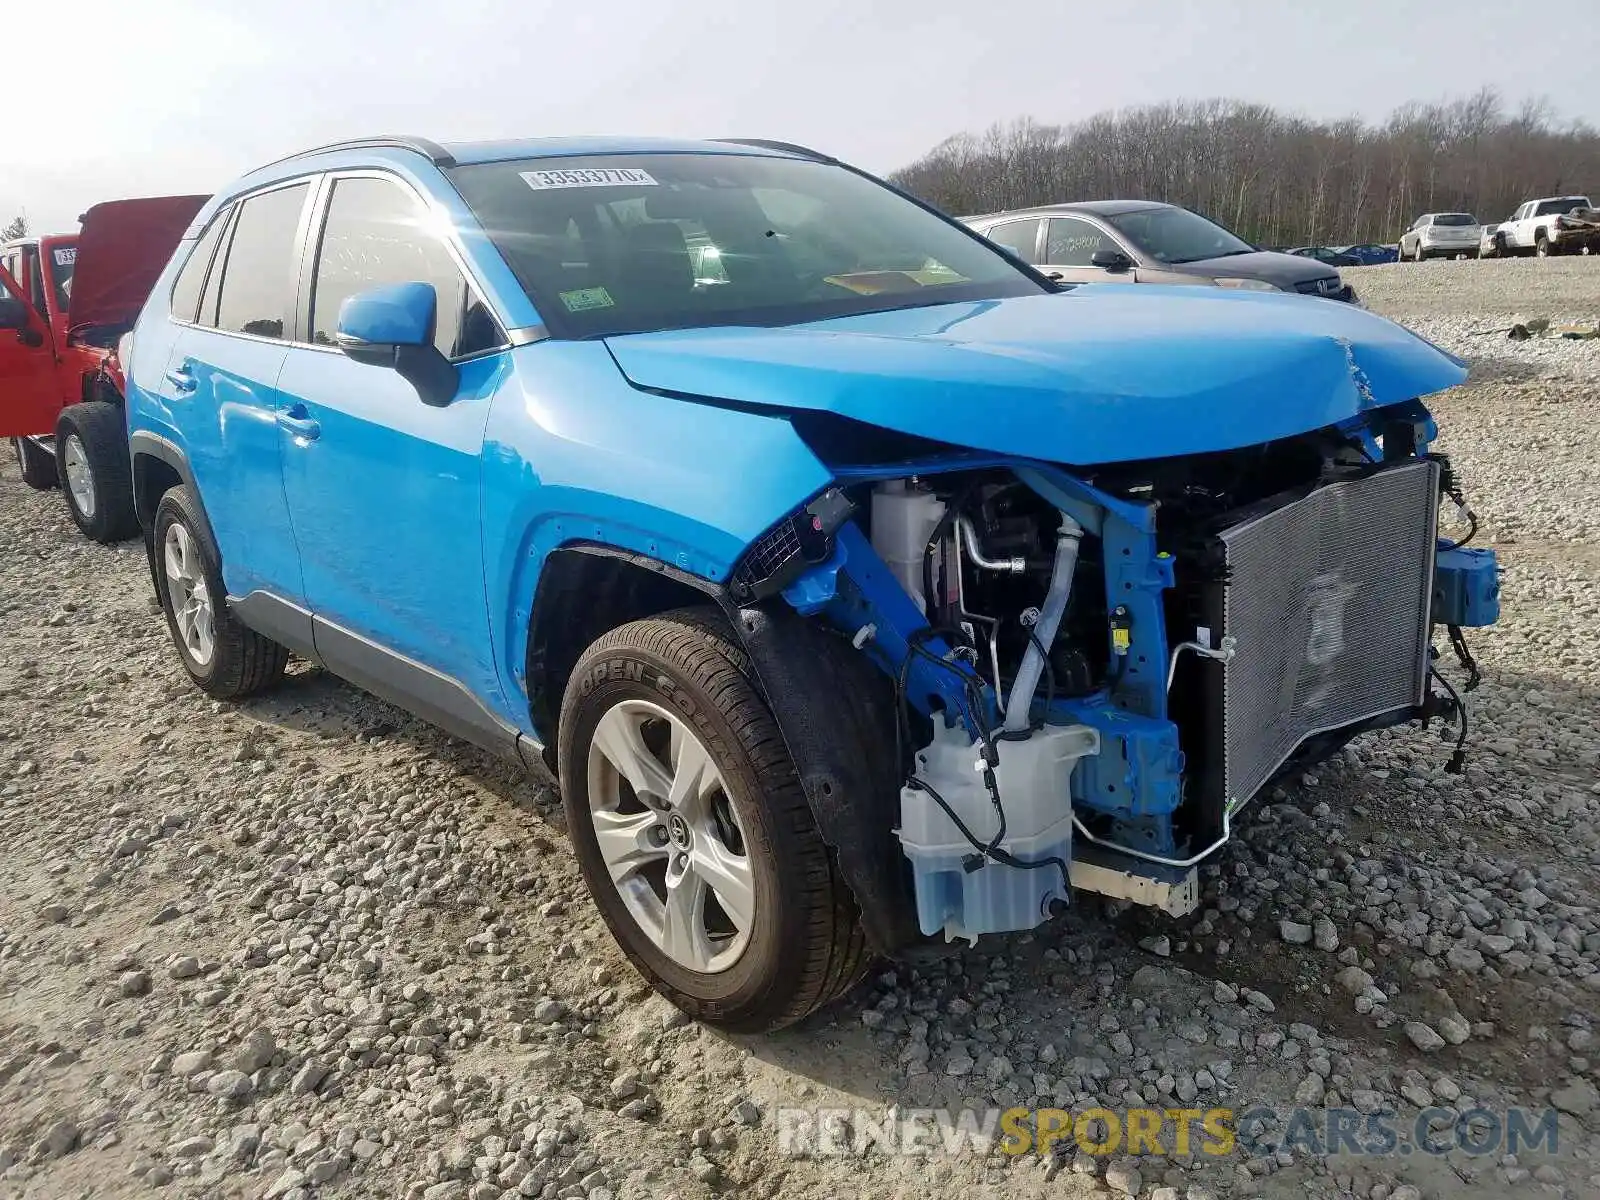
(114, 98)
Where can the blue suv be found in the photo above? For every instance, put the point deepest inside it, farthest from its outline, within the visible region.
(860, 584)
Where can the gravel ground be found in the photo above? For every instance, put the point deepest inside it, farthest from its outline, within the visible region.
(310, 947)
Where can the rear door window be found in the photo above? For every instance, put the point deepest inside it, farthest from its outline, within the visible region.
(376, 234)
(1020, 237)
(258, 278)
(192, 278)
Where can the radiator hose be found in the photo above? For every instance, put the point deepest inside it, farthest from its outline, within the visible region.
(1019, 709)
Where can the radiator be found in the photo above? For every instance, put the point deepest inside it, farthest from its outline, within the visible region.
(1327, 600)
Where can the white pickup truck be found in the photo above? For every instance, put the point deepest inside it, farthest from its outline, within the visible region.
(1554, 225)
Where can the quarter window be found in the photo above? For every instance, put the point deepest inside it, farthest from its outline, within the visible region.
(1072, 242)
(375, 235)
(1020, 237)
(186, 291)
(258, 278)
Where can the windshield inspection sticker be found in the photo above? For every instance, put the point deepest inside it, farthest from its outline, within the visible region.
(586, 298)
(589, 177)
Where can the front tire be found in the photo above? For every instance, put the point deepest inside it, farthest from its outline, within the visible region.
(693, 832)
(38, 466)
(96, 476)
(224, 658)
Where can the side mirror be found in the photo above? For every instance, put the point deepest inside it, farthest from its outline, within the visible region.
(1110, 260)
(393, 327)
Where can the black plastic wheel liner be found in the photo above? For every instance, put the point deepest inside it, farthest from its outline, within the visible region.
(836, 712)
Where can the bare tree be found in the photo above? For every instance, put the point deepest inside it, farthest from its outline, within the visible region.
(18, 228)
(1276, 179)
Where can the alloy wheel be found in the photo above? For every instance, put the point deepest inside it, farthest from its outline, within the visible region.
(670, 836)
(190, 595)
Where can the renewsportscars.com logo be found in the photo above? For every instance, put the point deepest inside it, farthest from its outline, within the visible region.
(1216, 1132)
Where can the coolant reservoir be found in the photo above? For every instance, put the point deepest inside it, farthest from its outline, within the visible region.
(903, 519)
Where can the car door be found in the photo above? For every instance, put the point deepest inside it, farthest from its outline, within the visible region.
(28, 400)
(384, 490)
(233, 310)
(1513, 229)
(1069, 249)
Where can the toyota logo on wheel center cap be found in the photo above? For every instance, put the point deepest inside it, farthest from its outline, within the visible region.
(678, 831)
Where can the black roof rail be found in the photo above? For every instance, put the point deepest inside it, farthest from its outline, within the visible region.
(435, 153)
(785, 147)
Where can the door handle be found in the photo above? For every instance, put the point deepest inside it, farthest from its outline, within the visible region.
(181, 378)
(299, 424)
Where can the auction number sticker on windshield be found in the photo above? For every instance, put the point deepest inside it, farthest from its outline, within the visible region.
(586, 298)
(589, 177)
(66, 256)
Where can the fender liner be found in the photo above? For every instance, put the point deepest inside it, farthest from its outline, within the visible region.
(836, 713)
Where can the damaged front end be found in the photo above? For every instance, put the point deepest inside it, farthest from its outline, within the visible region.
(1087, 672)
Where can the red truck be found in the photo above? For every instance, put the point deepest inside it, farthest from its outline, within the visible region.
(64, 302)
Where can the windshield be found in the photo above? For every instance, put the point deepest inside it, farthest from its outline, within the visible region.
(1176, 235)
(1564, 205)
(627, 243)
(62, 261)
(1455, 219)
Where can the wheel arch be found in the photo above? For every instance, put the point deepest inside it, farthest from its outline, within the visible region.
(832, 706)
(585, 590)
(100, 385)
(159, 466)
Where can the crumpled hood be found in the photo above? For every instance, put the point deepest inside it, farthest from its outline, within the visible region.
(1098, 374)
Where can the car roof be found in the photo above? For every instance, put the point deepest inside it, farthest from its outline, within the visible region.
(396, 150)
(1097, 208)
(466, 153)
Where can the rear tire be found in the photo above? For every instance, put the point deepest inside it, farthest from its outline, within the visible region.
(1541, 246)
(96, 475)
(225, 659)
(663, 688)
(38, 466)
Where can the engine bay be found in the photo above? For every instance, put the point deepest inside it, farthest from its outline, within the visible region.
(1095, 670)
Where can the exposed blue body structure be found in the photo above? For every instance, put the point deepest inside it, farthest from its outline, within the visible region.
(416, 547)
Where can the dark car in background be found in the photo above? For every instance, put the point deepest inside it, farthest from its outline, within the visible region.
(1326, 254)
(1142, 241)
(1371, 254)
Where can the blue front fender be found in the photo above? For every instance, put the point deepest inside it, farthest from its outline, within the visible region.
(573, 453)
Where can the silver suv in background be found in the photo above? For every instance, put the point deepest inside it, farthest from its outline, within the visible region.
(1446, 234)
(1142, 241)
